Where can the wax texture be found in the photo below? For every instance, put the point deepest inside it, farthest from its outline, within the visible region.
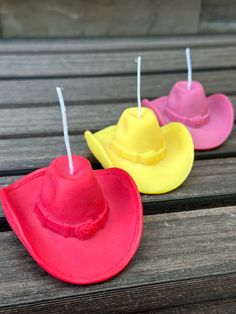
(209, 119)
(82, 228)
(158, 158)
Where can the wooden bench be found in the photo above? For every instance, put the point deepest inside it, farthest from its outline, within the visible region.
(187, 259)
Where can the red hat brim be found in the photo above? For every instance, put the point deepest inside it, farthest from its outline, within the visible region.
(68, 258)
(214, 132)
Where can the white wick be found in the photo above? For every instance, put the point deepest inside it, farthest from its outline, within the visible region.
(138, 61)
(65, 129)
(189, 65)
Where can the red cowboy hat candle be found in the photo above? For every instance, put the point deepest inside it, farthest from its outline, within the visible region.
(81, 226)
(209, 119)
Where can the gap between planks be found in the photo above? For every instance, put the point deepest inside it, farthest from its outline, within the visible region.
(85, 45)
(16, 93)
(36, 121)
(114, 63)
(205, 187)
(31, 153)
(183, 258)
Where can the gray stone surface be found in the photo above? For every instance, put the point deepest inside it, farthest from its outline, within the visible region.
(218, 16)
(98, 18)
(217, 27)
(45, 18)
(218, 10)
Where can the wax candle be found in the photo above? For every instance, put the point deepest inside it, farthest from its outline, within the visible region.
(209, 119)
(81, 226)
(159, 160)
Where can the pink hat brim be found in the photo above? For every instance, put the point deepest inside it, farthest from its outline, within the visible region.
(214, 132)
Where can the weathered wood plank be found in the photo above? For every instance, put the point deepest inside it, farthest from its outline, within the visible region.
(28, 153)
(46, 120)
(103, 63)
(225, 150)
(187, 260)
(227, 306)
(158, 299)
(58, 45)
(106, 89)
(43, 120)
(184, 258)
(211, 183)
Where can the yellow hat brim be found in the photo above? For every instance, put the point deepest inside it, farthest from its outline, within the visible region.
(162, 177)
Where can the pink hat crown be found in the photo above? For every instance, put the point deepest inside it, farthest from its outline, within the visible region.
(188, 105)
(71, 205)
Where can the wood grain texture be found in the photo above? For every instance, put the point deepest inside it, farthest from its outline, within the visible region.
(186, 262)
(104, 63)
(158, 299)
(106, 89)
(227, 306)
(184, 258)
(210, 183)
(27, 153)
(67, 45)
(46, 120)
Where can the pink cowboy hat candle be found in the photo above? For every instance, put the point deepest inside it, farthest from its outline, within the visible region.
(209, 119)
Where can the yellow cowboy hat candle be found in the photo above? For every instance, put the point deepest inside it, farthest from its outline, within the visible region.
(158, 158)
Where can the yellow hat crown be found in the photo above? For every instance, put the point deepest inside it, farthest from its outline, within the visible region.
(139, 139)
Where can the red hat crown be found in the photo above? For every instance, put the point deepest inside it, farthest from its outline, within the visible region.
(72, 205)
(188, 105)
